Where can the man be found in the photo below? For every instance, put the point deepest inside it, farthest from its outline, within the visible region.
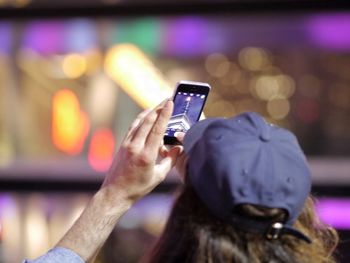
(141, 163)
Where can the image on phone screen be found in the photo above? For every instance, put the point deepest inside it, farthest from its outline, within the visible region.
(187, 110)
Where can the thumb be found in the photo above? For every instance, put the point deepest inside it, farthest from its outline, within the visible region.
(180, 136)
(169, 161)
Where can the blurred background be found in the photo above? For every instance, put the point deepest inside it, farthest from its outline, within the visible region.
(74, 74)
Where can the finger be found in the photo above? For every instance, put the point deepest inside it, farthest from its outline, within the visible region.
(142, 130)
(163, 151)
(180, 136)
(156, 134)
(168, 162)
(137, 122)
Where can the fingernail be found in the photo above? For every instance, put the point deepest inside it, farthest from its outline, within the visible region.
(168, 103)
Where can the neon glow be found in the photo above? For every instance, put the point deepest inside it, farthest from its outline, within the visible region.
(187, 37)
(70, 125)
(335, 212)
(330, 31)
(146, 33)
(101, 150)
(130, 68)
(5, 37)
(51, 43)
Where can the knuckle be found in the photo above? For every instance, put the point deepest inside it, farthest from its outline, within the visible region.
(124, 145)
(157, 130)
(144, 159)
(149, 119)
(140, 115)
(131, 149)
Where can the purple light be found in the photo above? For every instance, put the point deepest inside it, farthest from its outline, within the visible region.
(186, 37)
(5, 37)
(335, 212)
(45, 37)
(155, 204)
(79, 35)
(330, 31)
(7, 205)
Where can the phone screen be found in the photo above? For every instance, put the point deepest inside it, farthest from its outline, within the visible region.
(187, 110)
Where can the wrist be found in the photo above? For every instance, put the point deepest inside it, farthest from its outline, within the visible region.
(113, 201)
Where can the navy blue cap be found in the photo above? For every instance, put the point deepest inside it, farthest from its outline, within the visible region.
(245, 160)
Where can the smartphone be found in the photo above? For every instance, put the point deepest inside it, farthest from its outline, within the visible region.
(189, 99)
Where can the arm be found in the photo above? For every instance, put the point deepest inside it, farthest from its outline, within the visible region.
(134, 172)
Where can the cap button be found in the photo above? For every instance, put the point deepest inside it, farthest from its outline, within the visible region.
(262, 127)
(264, 138)
(265, 135)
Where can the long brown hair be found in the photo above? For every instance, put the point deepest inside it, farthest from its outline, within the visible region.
(193, 235)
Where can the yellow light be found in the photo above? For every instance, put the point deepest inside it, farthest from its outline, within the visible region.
(286, 86)
(266, 87)
(130, 68)
(70, 125)
(74, 66)
(94, 61)
(253, 59)
(217, 64)
(232, 77)
(278, 108)
(273, 87)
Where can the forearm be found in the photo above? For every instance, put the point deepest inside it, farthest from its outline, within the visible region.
(134, 172)
(95, 224)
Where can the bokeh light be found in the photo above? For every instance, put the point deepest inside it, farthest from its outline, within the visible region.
(286, 86)
(74, 65)
(94, 61)
(36, 230)
(254, 59)
(232, 77)
(278, 108)
(101, 149)
(130, 68)
(70, 125)
(217, 64)
(102, 99)
(334, 211)
(6, 37)
(267, 87)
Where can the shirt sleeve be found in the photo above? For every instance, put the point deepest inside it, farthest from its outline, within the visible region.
(58, 255)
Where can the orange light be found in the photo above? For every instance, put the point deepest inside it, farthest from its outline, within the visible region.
(70, 125)
(101, 150)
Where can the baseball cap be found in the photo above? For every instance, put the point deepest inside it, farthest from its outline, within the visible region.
(245, 160)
